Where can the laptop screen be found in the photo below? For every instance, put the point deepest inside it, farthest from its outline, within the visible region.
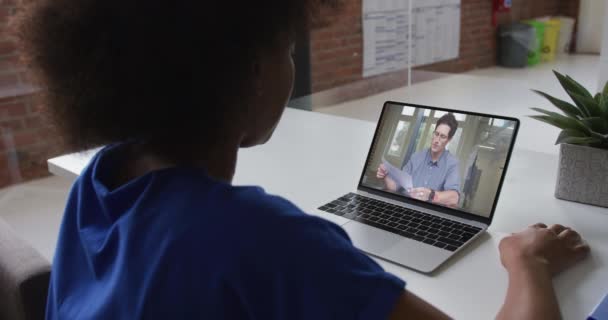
(448, 158)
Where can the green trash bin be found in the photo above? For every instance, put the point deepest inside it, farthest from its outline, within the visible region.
(515, 41)
(534, 55)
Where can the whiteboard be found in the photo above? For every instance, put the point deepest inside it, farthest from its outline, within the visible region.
(386, 24)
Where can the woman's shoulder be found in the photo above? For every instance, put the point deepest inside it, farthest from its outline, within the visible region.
(256, 207)
(256, 198)
(251, 213)
(249, 226)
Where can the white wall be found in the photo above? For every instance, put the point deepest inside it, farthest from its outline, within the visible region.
(604, 55)
(590, 26)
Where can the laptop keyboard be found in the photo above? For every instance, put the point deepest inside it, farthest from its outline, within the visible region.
(439, 232)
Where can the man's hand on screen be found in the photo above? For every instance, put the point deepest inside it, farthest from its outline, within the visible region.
(420, 193)
(382, 172)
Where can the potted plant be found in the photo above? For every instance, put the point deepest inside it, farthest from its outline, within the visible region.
(583, 158)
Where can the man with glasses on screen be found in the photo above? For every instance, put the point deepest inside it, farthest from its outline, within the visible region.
(435, 172)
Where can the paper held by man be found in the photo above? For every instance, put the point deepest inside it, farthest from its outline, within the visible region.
(402, 178)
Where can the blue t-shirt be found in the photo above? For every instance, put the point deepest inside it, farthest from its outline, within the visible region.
(177, 244)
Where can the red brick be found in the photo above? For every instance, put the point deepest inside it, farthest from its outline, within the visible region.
(9, 64)
(9, 100)
(12, 125)
(36, 108)
(34, 172)
(34, 122)
(9, 79)
(46, 133)
(25, 138)
(12, 110)
(337, 54)
(7, 47)
(5, 180)
(5, 13)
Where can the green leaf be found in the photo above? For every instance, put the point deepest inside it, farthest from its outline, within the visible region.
(598, 98)
(597, 124)
(604, 106)
(575, 133)
(564, 123)
(564, 106)
(579, 88)
(578, 140)
(560, 121)
(602, 137)
(588, 105)
(576, 137)
(572, 86)
(569, 133)
(604, 100)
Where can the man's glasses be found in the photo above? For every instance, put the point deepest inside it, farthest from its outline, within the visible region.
(439, 135)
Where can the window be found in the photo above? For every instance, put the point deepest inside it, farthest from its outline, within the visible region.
(499, 122)
(408, 111)
(397, 143)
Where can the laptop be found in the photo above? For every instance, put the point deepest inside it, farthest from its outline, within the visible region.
(430, 184)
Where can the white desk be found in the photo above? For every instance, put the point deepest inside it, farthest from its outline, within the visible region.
(313, 158)
(471, 93)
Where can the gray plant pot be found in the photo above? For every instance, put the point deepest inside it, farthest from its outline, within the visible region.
(582, 175)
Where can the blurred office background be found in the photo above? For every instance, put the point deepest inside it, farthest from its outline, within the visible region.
(332, 79)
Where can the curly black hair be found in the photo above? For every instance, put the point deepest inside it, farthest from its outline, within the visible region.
(159, 71)
(449, 120)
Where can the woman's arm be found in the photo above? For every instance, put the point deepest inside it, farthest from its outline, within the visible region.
(530, 295)
(410, 306)
(531, 258)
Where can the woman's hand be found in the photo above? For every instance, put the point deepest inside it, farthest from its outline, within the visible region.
(555, 248)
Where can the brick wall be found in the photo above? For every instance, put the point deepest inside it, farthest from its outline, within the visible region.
(570, 8)
(27, 140)
(10, 71)
(336, 49)
(26, 137)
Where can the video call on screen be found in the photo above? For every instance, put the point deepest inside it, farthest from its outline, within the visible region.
(450, 159)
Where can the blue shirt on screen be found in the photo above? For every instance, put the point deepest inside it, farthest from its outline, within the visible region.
(440, 175)
(177, 244)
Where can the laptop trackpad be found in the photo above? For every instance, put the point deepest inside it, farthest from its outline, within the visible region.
(370, 239)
